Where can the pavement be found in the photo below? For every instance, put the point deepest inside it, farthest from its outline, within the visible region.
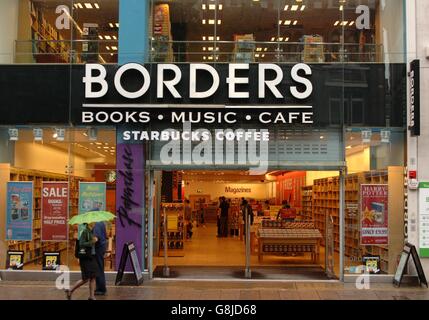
(218, 290)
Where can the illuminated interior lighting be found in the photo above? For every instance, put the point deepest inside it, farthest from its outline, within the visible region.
(294, 7)
(96, 6)
(88, 5)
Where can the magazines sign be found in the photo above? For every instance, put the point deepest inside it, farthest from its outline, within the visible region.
(19, 216)
(54, 211)
(374, 214)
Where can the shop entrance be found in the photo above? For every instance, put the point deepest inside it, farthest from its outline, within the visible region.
(200, 225)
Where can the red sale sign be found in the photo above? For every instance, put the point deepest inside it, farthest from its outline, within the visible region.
(54, 211)
(374, 214)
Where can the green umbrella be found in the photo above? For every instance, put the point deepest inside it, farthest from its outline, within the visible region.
(92, 216)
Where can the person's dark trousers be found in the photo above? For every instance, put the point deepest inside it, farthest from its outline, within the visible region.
(224, 226)
(101, 279)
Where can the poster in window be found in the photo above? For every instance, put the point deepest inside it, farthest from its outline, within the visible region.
(19, 216)
(374, 214)
(54, 211)
(51, 260)
(15, 260)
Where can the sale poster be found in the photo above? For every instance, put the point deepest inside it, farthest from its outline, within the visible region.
(374, 214)
(54, 211)
(19, 215)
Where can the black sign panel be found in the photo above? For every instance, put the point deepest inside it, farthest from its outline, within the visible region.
(414, 125)
(408, 250)
(129, 250)
(15, 260)
(51, 260)
(350, 94)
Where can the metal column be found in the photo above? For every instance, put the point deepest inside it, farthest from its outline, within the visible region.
(342, 223)
(166, 269)
(150, 222)
(247, 271)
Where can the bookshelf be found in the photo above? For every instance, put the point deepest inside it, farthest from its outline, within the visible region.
(175, 229)
(244, 48)
(49, 45)
(33, 250)
(307, 203)
(326, 201)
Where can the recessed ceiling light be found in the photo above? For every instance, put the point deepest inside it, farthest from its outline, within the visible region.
(88, 5)
(96, 5)
(114, 37)
(114, 48)
(294, 7)
(100, 37)
(108, 37)
(117, 25)
(108, 48)
(111, 25)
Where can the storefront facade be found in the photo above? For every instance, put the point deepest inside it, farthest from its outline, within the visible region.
(330, 101)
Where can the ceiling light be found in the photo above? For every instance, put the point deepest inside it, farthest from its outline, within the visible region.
(204, 38)
(257, 55)
(336, 23)
(351, 23)
(114, 48)
(287, 39)
(341, 8)
(281, 39)
(294, 7)
(280, 21)
(212, 7)
(204, 7)
(273, 39)
(80, 6)
(286, 7)
(108, 48)
(96, 5)
(265, 49)
(348, 147)
(295, 22)
(108, 37)
(220, 6)
(117, 25)
(111, 25)
(287, 22)
(302, 7)
(204, 21)
(88, 5)
(100, 37)
(114, 37)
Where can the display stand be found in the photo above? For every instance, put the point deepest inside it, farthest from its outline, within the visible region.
(129, 250)
(409, 249)
(174, 217)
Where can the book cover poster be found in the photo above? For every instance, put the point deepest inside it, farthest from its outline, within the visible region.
(15, 260)
(19, 216)
(374, 214)
(54, 211)
(92, 196)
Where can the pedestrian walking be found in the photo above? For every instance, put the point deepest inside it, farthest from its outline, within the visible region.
(100, 253)
(85, 251)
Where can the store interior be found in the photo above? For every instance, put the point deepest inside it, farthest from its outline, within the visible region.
(204, 31)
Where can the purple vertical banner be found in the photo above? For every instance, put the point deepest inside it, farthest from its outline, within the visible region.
(130, 200)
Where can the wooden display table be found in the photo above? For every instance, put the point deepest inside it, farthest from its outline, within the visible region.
(281, 241)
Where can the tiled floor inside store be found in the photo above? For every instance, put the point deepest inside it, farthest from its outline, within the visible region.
(225, 258)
